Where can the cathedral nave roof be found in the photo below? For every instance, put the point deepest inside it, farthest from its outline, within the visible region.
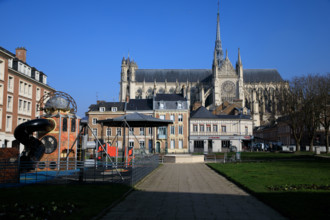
(173, 75)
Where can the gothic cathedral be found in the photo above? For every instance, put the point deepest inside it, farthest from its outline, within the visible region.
(223, 85)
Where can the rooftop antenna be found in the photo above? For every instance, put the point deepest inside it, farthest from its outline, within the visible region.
(97, 96)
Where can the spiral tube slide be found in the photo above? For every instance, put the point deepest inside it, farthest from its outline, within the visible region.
(24, 134)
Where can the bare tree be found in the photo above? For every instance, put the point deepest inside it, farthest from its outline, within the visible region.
(324, 87)
(291, 105)
(311, 100)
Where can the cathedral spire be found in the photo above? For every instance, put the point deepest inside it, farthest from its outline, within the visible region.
(218, 46)
(239, 60)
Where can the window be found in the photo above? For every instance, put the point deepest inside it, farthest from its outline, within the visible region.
(20, 67)
(195, 128)
(162, 130)
(180, 129)
(131, 131)
(65, 124)
(0, 118)
(29, 107)
(73, 124)
(114, 109)
(119, 131)
(141, 144)
(102, 109)
(162, 117)
(37, 75)
(20, 105)
(9, 103)
(21, 87)
(37, 109)
(94, 132)
(94, 120)
(201, 128)
(131, 144)
(10, 83)
(172, 130)
(172, 117)
(172, 144)
(19, 121)
(179, 105)
(24, 106)
(208, 128)
(150, 131)
(44, 79)
(108, 132)
(8, 123)
(2, 69)
(141, 131)
(10, 63)
(224, 128)
(30, 90)
(180, 144)
(161, 105)
(180, 117)
(215, 128)
(246, 130)
(38, 94)
(1, 94)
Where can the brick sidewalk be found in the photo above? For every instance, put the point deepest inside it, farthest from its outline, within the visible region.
(189, 191)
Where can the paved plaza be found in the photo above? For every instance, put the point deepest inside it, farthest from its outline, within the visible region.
(189, 191)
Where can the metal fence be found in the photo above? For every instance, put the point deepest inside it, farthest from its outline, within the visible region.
(89, 171)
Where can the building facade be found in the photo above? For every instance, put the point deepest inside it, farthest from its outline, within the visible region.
(219, 133)
(101, 111)
(21, 87)
(255, 89)
(173, 138)
(174, 107)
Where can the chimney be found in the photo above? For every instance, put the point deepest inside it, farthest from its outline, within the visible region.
(21, 54)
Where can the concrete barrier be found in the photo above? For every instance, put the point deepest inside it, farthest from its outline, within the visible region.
(184, 158)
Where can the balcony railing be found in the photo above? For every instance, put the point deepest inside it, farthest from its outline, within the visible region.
(161, 136)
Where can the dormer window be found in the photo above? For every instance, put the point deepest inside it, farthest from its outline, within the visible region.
(10, 63)
(45, 79)
(161, 105)
(20, 67)
(102, 109)
(179, 105)
(37, 75)
(114, 109)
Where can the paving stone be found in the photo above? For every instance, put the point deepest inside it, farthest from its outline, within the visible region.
(189, 191)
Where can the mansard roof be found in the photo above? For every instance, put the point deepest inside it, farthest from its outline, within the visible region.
(261, 75)
(139, 104)
(108, 105)
(202, 112)
(172, 75)
(170, 97)
(7, 51)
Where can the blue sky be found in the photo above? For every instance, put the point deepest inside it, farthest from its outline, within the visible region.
(80, 44)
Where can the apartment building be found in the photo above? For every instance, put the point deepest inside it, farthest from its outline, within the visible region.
(217, 133)
(21, 87)
(173, 138)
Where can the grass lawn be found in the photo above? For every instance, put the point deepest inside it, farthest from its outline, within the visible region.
(299, 189)
(272, 155)
(58, 201)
